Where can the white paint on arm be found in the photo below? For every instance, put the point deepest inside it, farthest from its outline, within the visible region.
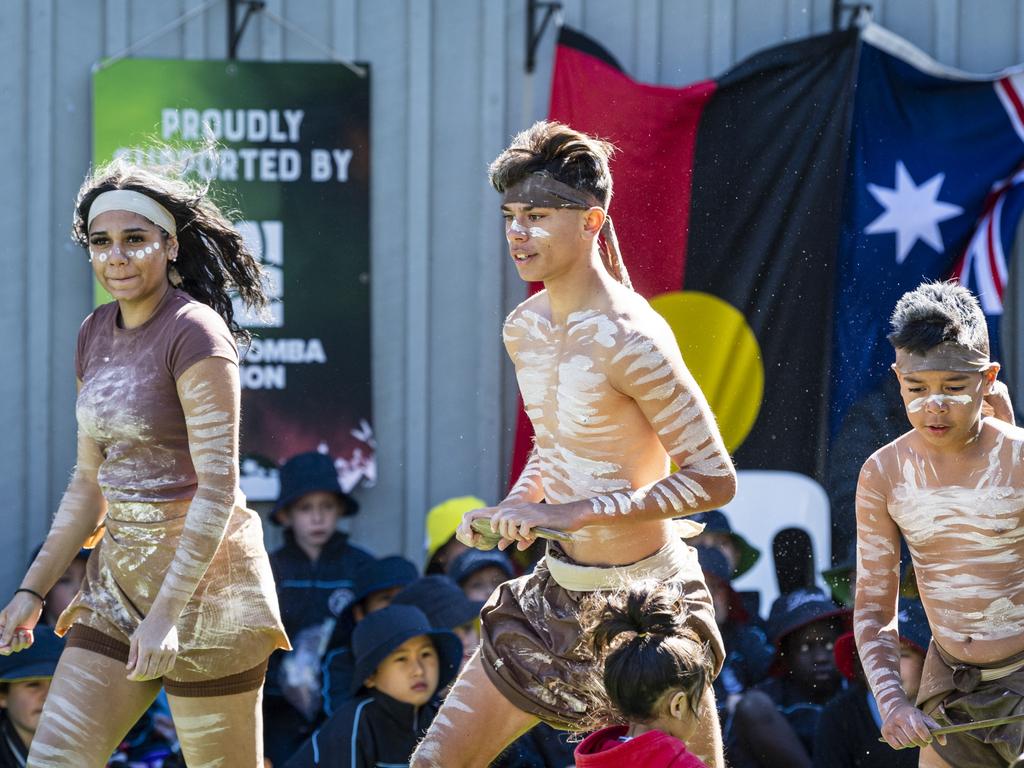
(877, 593)
(649, 369)
(209, 393)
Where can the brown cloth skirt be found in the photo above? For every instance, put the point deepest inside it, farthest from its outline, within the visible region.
(533, 648)
(952, 693)
(231, 624)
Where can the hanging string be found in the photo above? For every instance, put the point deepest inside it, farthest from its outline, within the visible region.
(191, 14)
(331, 53)
(147, 39)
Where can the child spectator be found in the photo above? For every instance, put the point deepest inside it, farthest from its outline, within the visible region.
(850, 725)
(442, 520)
(67, 586)
(375, 587)
(749, 655)
(24, 682)
(740, 553)
(655, 670)
(400, 664)
(446, 607)
(479, 572)
(314, 571)
(775, 722)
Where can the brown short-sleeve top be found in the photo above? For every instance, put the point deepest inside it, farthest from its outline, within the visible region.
(129, 402)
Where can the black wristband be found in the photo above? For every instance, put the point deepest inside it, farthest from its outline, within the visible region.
(32, 592)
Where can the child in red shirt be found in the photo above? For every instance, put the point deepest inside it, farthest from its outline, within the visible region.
(655, 672)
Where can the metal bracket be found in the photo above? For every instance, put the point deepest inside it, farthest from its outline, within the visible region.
(839, 7)
(533, 32)
(236, 30)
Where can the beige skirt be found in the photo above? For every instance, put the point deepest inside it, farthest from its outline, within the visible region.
(232, 622)
(532, 646)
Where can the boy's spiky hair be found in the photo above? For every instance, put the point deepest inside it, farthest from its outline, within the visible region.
(567, 155)
(938, 312)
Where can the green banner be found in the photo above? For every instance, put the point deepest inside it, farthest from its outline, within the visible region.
(292, 157)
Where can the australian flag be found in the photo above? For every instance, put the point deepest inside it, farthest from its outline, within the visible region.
(934, 191)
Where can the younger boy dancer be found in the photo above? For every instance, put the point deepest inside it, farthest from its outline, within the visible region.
(611, 403)
(953, 486)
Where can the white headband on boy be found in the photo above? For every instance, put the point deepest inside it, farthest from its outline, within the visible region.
(135, 202)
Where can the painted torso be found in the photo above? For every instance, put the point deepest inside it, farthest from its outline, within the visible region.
(964, 525)
(592, 440)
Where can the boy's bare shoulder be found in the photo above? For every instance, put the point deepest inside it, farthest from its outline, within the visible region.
(1009, 432)
(536, 304)
(636, 319)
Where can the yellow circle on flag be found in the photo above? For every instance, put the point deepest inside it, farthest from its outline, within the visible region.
(723, 355)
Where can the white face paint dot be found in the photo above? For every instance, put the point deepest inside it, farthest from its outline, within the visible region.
(148, 249)
(156, 246)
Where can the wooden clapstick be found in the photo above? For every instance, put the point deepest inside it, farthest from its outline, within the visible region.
(1009, 719)
(483, 526)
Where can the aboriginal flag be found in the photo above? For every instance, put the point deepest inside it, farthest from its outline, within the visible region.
(727, 203)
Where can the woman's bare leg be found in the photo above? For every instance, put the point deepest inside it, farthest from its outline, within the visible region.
(474, 725)
(220, 731)
(89, 709)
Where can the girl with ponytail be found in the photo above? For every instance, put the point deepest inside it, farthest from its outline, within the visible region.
(656, 672)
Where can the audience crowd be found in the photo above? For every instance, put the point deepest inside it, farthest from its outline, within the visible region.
(377, 644)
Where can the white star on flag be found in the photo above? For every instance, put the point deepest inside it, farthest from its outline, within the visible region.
(913, 212)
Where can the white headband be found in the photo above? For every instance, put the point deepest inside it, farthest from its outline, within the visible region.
(135, 202)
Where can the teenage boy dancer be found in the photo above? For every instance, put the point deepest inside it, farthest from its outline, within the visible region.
(611, 403)
(953, 486)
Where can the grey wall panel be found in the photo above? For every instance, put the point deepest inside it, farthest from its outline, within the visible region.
(448, 91)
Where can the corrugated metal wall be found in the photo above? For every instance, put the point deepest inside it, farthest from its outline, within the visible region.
(448, 90)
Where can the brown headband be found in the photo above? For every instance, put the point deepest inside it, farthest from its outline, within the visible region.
(539, 190)
(947, 356)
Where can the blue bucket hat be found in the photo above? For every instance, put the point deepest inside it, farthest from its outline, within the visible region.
(715, 521)
(380, 633)
(385, 573)
(308, 473)
(468, 563)
(795, 610)
(441, 599)
(37, 661)
(714, 563)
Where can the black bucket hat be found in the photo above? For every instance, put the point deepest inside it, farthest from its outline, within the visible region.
(308, 473)
(380, 633)
(714, 564)
(715, 521)
(441, 599)
(468, 563)
(37, 662)
(386, 573)
(795, 610)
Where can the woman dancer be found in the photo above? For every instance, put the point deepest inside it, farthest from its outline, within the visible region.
(178, 590)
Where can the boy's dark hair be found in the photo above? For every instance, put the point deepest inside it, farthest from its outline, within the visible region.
(938, 312)
(641, 636)
(567, 155)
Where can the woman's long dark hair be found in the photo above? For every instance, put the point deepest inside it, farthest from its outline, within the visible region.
(213, 259)
(640, 635)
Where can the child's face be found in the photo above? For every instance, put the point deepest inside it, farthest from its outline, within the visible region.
(808, 653)
(409, 673)
(944, 407)
(545, 243)
(911, 667)
(313, 519)
(24, 704)
(374, 602)
(480, 584)
(65, 589)
(469, 634)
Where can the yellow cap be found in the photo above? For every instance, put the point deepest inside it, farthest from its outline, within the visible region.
(443, 519)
